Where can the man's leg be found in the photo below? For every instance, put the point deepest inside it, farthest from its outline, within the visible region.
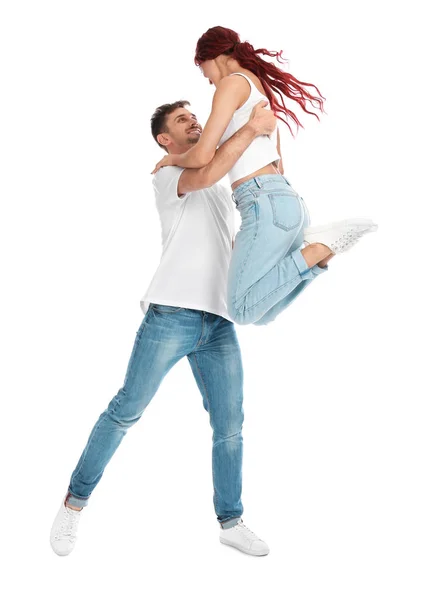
(162, 339)
(217, 368)
(157, 347)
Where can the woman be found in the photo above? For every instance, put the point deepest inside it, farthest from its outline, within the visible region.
(269, 266)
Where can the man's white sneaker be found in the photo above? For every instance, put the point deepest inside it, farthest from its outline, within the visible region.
(339, 236)
(244, 539)
(64, 530)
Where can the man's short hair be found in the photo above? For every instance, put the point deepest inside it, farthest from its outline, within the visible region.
(158, 120)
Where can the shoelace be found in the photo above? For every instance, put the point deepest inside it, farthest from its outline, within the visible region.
(68, 525)
(250, 535)
(347, 240)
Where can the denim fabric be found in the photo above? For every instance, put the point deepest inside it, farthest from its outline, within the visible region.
(267, 270)
(210, 344)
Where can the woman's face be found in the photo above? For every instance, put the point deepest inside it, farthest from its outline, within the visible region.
(210, 71)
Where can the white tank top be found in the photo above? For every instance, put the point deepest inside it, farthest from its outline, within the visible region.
(262, 149)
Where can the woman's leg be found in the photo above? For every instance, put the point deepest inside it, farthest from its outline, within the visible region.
(271, 314)
(321, 267)
(268, 269)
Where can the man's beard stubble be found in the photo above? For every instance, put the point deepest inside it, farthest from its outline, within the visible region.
(193, 140)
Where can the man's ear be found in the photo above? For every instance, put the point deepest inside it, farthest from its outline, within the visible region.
(163, 139)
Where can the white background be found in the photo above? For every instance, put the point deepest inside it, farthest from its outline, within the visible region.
(335, 448)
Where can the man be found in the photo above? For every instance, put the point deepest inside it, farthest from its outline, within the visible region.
(185, 315)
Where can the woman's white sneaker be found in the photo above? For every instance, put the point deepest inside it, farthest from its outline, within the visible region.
(244, 539)
(64, 530)
(339, 236)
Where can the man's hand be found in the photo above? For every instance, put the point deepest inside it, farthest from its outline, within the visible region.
(262, 120)
(167, 161)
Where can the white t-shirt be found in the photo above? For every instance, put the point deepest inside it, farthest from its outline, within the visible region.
(197, 232)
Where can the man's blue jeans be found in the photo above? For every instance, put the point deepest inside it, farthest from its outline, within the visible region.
(166, 335)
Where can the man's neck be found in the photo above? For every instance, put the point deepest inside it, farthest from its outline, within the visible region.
(179, 149)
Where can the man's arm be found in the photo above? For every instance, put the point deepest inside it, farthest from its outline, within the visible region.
(262, 122)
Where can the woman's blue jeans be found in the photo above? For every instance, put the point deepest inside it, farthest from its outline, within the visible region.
(210, 344)
(267, 270)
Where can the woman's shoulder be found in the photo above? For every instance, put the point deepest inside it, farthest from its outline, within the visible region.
(245, 92)
(234, 88)
(255, 83)
(232, 81)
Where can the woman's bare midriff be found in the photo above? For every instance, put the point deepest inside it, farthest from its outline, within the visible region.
(267, 170)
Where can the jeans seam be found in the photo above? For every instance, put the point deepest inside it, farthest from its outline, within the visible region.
(83, 458)
(202, 332)
(133, 353)
(208, 403)
(281, 286)
(249, 251)
(246, 189)
(203, 381)
(245, 192)
(273, 292)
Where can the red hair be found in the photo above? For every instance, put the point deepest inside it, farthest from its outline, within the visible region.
(220, 40)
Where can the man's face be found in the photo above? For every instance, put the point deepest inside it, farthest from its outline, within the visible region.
(183, 127)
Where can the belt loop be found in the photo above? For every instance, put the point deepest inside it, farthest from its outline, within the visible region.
(257, 180)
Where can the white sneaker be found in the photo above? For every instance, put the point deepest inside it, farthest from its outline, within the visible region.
(339, 236)
(244, 539)
(64, 529)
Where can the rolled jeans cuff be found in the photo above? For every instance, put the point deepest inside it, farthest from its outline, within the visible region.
(302, 266)
(230, 523)
(75, 501)
(316, 270)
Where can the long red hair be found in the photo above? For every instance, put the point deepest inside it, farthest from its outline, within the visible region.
(220, 40)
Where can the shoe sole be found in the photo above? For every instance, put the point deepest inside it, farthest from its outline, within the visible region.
(61, 553)
(367, 224)
(227, 543)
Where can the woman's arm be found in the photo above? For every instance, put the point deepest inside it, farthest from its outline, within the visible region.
(262, 122)
(231, 92)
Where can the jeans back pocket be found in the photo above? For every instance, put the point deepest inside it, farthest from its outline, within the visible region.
(286, 209)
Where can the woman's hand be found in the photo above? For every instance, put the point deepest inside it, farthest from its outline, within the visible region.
(167, 161)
